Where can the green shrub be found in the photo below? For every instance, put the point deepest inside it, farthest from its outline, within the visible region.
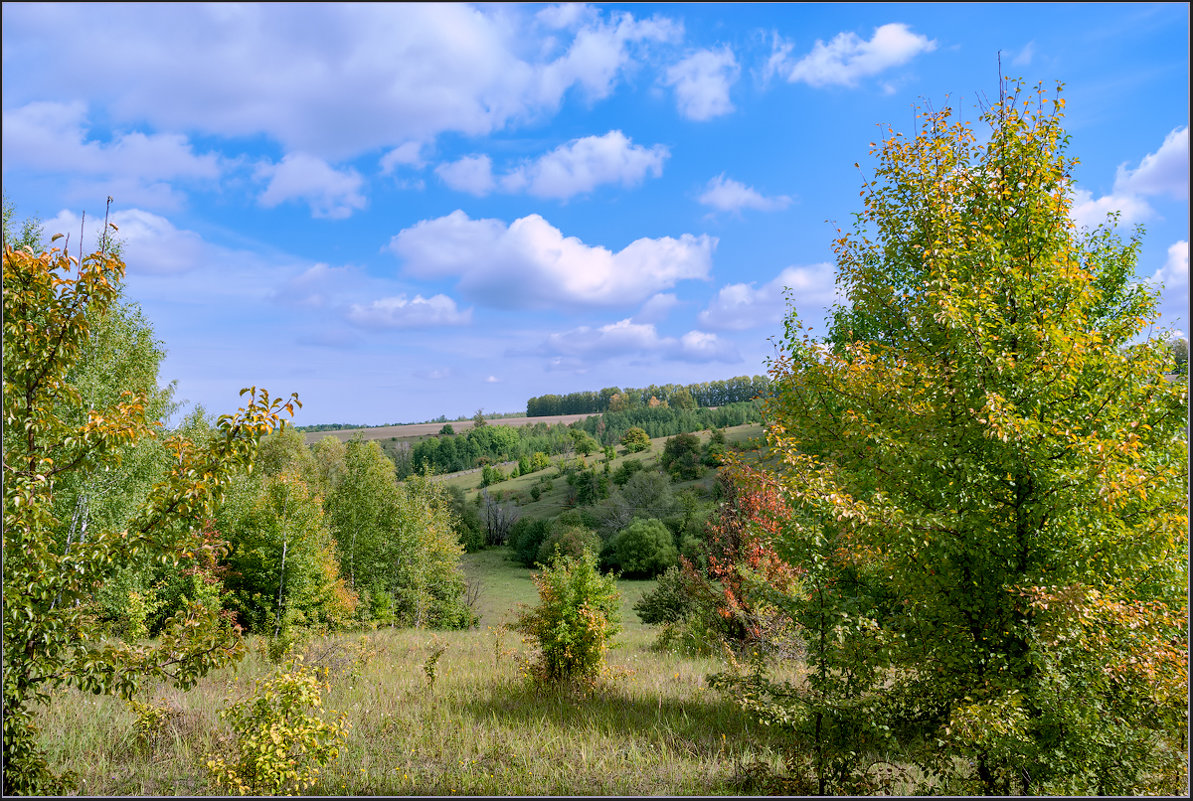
(280, 742)
(643, 549)
(526, 537)
(574, 620)
(568, 541)
(669, 602)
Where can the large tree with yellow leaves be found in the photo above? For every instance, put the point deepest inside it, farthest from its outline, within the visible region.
(986, 475)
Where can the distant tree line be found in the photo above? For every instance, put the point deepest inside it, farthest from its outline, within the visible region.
(614, 399)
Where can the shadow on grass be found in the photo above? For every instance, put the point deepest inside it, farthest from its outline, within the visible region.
(698, 727)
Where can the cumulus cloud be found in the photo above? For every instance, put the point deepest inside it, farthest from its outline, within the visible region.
(583, 164)
(1175, 273)
(1163, 173)
(738, 307)
(408, 154)
(585, 345)
(151, 243)
(332, 80)
(416, 312)
(573, 168)
(471, 174)
(725, 194)
(531, 264)
(329, 192)
(702, 82)
(138, 168)
(848, 58)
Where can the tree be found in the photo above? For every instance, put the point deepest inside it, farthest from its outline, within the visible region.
(643, 550)
(51, 303)
(583, 442)
(397, 544)
(283, 567)
(635, 440)
(985, 471)
(681, 457)
(682, 399)
(1180, 355)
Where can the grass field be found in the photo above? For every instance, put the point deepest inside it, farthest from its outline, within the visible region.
(651, 727)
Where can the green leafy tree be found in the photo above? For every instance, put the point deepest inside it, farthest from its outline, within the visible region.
(283, 568)
(643, 550)
(583, 442)
(681, 457)
(1180, 355)
(986, 475)
(398, 543)
(50, 305)
(635, 440)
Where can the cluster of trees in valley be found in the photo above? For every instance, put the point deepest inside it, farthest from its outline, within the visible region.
(536, 443)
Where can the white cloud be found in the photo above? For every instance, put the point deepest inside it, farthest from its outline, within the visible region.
(1088, 211)
(738, 307)
(702, 82)
(848, 57)
(531, 264)
(1023, 57)
(316, 286)
(333, 80)
(1175, 273)
(329, 192)
(471, 174)
(135, 167)
(728, 195)
(1165, 172)
(583, 164)
(408, 154)
(151, 243)
(492, 380)
(584, 345)
(417, 312)
(656, 309)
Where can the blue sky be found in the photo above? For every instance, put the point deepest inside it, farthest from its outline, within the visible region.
(403, 211)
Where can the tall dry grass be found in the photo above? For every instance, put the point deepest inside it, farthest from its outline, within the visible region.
(650, 727)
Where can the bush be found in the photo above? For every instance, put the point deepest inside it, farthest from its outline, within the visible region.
(669, 602)
(280, 744)
(643, 550)
(635, 440)
(568, 541)
(526, 537)
(574, 620)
